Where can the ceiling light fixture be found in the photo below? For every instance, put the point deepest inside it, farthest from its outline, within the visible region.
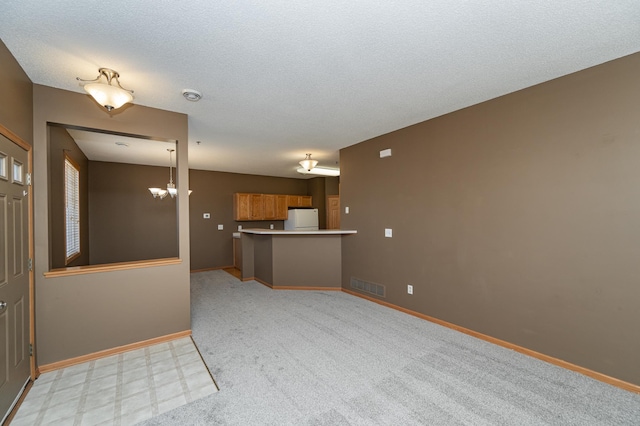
(105, 93)
(191, 95)
(171, 187)
(309, 166)
(308, 163)
(324, 171)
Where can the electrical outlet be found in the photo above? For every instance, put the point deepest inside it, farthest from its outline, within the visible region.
(271, 226)
(220, 227)
(388, 232)
(239, 227)
(409, 289)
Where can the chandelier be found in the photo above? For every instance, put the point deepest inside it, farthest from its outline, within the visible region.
(171, 187)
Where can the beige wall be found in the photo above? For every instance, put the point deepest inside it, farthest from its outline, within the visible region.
(517, 217)
(88, 313)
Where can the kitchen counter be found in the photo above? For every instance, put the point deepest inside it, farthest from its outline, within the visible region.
(281, 259)
(260, 231)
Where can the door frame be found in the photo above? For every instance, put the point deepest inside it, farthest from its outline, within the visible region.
(27, 147)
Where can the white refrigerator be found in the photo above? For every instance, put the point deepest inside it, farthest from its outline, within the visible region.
(302, 220)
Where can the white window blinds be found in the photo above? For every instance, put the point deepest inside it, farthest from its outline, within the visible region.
(72, 209)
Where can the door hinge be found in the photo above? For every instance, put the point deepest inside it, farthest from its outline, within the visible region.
(29, 179)
(30, 263)
(30, 349)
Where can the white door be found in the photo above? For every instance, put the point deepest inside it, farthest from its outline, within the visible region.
(14, 273)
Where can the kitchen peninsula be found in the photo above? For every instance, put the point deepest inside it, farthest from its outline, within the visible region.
(293, 259)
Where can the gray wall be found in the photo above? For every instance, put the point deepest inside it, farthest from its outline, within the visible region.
(82, 314)
(61, 143)
(517, 217)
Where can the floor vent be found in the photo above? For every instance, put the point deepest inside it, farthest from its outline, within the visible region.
(367, 287)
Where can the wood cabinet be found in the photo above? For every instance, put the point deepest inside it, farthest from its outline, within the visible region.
(299, 200)
(241, 206)
(281, 207)
(266, 206)
(256, 206)
(237, 253)
(305, 201)
(269, 206)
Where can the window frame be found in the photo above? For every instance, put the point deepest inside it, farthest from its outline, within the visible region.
(76, 243)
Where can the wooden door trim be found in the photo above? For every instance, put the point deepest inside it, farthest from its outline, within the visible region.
(27, 147)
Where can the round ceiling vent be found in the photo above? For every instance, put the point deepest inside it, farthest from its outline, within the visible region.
(191, 95)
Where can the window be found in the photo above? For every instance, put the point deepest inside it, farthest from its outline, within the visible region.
(3, 166)
(17, 172)
(72, 209)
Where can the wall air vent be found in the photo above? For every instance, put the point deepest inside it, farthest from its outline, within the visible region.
(368, 287)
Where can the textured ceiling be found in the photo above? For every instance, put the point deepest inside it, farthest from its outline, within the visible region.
(283, 78)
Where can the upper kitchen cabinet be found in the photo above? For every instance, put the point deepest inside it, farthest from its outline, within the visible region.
(281, 207)
(274, 206)
(266, 206)
(299, 200)
(269, 206)
(241, 206)
(256, 206)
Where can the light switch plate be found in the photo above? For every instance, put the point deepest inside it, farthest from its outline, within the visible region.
(206, 215)
(388, 232)
(220, 227)
(346, 210)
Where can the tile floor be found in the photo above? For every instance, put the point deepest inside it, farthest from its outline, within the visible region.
(121, 389)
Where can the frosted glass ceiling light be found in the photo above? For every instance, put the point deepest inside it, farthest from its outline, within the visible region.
(171, 187)
(323, 171)
(158, 192)
(106, 93)
(309, 166)
(308, 163)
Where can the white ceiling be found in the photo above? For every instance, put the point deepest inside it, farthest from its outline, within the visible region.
(123, 149)
(283, 78)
